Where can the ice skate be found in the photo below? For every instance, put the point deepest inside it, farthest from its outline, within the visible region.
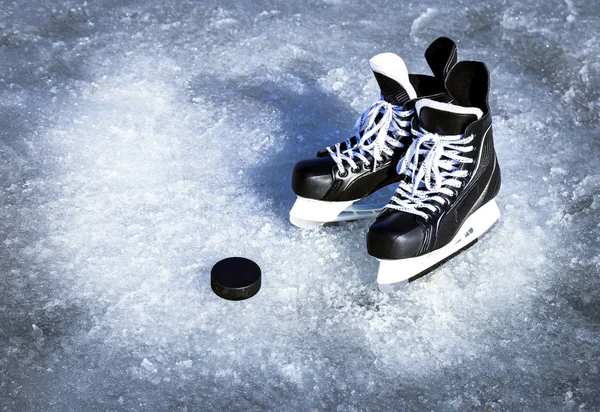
(329, 185)
(450, 176)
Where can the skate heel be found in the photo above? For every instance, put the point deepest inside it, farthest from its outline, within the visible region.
(393, 274)
(307, 213)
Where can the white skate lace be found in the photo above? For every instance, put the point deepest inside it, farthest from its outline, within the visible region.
(375, 138)
(432, 176)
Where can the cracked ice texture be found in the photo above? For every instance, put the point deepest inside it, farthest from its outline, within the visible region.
(142, 141)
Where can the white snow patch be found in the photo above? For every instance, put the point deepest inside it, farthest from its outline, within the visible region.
(421, 21)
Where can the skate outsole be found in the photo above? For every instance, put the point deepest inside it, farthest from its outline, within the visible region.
(308, 213)
(394, 274)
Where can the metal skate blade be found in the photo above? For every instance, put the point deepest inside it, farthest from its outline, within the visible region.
(305, 224)
(310, 213)
(395, 287)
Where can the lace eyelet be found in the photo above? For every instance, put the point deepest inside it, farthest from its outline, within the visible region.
(342, 175)
(355, 170)
(367, 166)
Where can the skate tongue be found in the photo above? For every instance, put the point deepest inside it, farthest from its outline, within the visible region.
(445, 118)
(392, 76)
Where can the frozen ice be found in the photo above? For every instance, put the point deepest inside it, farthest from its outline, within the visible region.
(143, 141)
(37, 332)
(149, 366)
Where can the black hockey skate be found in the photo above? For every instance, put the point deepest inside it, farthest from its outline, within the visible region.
(450, 176)
(329, 184)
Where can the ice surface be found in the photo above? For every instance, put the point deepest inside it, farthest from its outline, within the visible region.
(143, 141)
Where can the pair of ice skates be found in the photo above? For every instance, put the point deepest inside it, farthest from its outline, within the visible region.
(430, 135)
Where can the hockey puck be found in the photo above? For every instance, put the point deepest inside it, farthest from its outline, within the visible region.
(235, 278)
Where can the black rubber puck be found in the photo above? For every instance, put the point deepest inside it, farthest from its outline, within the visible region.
(235, 278)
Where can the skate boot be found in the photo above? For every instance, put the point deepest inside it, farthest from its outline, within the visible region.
(328, 185)
(450, 176)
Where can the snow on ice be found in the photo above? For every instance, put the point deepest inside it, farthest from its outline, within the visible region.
(143, 141)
